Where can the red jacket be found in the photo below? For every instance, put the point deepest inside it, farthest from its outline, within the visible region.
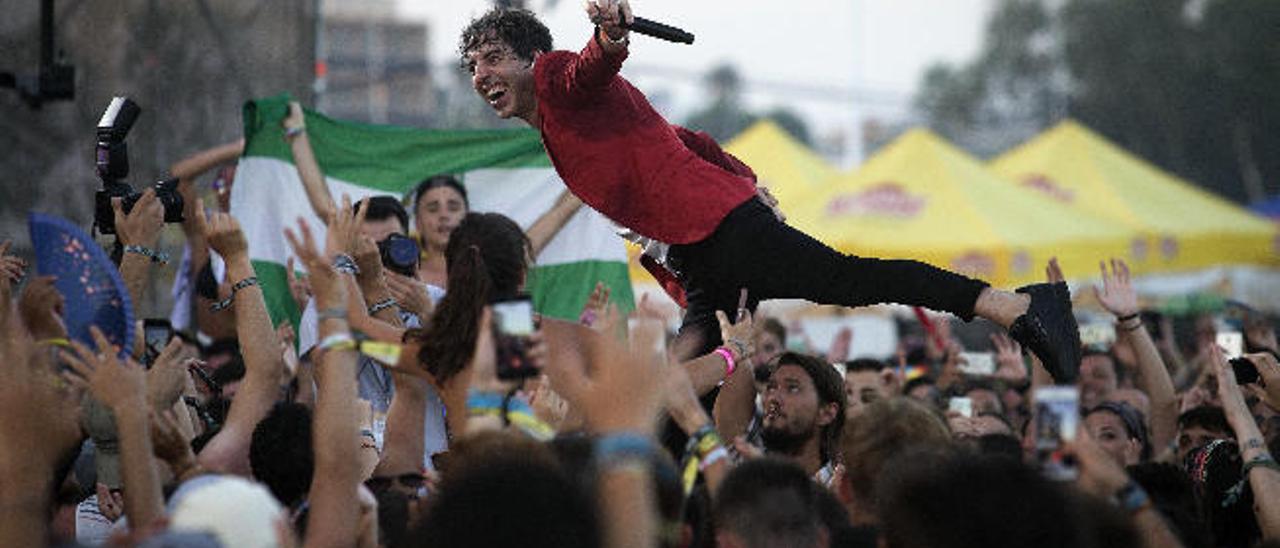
(620, 156)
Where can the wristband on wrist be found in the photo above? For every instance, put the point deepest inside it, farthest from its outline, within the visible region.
(338, 341)
(716, 455)
(1127, 317)
(56, 341)
(729, 364)
(624, 449)
(332, 314)
(512, 411)
(226, 303)
(155, 256)
(345, 264)
(294, 131)
(1260, 461)
(379, 306)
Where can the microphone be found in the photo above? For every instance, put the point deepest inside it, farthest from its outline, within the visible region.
(649, 27)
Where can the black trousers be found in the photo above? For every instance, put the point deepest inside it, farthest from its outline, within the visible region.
(751, 249)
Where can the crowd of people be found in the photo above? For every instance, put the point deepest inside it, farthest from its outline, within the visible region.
(397, 427)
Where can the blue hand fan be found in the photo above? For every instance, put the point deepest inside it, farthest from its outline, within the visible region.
(94, 291)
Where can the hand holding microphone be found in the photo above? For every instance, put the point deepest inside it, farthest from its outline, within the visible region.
(615, 19)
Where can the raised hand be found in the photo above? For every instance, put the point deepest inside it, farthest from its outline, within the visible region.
(114, 382)
(169, 443)
(141, 226)
(410, 294)
(167, 376)
(738, 337)
(609, 15)
(296, 118)
(1053, 272)
(299, 286)
(1009, 365)
(41, 307)
(595, 304)
(11, 269)
(223, 233)
(343, 236)
(368, 259)
(1117, 294)
(839, 350)
(328, 288)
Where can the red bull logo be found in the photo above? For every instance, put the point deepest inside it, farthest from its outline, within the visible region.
(975, 263)
(883, 200)
(1041, 183)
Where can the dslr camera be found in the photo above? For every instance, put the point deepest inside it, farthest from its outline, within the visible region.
(112, 162)
(399, 254)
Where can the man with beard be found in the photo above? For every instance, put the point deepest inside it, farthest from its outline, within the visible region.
(804, 413)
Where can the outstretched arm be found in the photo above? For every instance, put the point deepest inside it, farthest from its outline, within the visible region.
(1119, 298)
(550, 223)
(229, 451)
(295, 126)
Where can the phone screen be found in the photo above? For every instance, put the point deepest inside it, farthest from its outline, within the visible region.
(513, 320)
(1057, 415)
(1232, 343)
(977, 363)
(155, 335)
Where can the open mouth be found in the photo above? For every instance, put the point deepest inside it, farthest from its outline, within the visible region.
(494, 96)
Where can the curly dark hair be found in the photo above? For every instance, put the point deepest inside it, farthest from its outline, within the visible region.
(518, 28)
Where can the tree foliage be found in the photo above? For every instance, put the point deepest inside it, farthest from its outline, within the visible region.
(1186, 84)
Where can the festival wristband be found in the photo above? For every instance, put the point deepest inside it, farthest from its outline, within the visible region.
(624, 450)
(516, 413)
(345, 264)
(155, 256)
(294, 131)
(337, 341)
(729, 364)
(226, 303)
(379, 306)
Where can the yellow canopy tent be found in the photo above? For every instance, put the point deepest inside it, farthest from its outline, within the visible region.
(1179, 226)
(922, 198)
(789, 169)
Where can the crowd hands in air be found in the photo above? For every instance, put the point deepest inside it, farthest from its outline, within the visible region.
(395, 427)
(1171, 448)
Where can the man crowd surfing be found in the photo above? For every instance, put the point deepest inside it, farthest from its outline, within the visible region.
(401, 425)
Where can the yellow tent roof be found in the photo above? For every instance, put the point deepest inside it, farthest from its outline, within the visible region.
(786, 166)
(1182, 227)
(922, 198)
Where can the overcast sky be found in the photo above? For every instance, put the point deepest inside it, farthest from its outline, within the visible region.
(807, 54)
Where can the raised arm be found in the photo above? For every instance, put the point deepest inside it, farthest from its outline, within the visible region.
(121, 386)
(336, 480)
(228, 452)
(549, 224)
(1118, 297)
(138, 231)
(1260, 467)
(295, 131)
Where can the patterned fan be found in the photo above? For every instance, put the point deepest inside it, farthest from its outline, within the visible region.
(94, 292)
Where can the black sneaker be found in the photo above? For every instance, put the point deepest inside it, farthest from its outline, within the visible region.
(1049, 330)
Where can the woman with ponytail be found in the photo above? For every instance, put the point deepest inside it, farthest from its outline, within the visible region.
(487, 258)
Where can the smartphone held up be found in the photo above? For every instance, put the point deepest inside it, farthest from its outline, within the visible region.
(1057, 415)
(513, 326)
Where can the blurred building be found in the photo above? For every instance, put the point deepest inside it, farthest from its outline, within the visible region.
(372, 66)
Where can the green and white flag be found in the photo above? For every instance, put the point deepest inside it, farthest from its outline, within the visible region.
(505, 171)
